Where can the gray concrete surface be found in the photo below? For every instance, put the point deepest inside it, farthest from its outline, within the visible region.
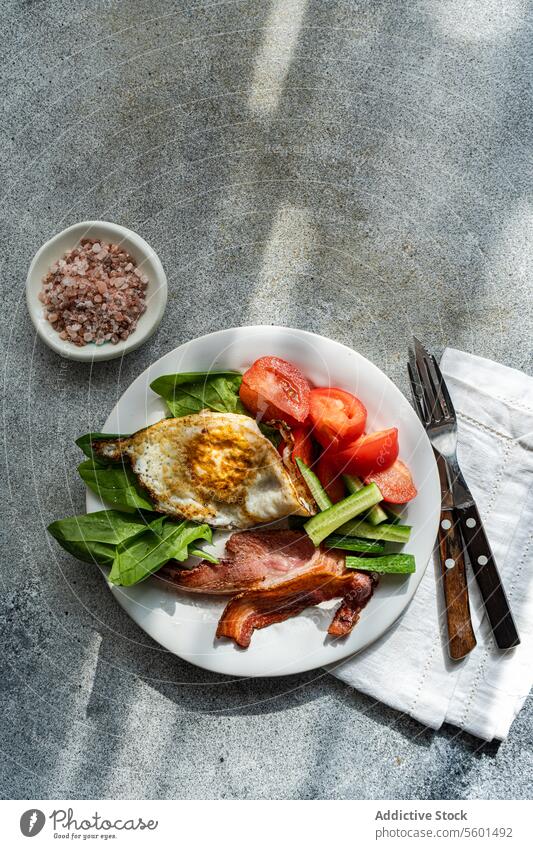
(354, 168)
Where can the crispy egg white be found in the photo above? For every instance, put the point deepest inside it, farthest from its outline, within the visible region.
(211, 467)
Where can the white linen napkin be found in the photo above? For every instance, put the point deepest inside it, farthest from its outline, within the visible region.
(409, 668)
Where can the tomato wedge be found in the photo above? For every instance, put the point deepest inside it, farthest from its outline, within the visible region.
(329, 476)
(337, 416)
(275, 389)
(374, 452)
(395, 483)
(303, 446)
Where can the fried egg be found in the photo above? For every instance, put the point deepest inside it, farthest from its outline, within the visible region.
(211, 467)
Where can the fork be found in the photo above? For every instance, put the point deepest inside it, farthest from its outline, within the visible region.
(438, 416)
(461, 637)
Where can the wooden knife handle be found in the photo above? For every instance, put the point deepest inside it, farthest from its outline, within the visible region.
(461, 638)
(488, 578)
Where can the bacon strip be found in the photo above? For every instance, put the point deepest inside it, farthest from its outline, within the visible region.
(347, 615)
(257, 609)
(274, 575)
(256, 560)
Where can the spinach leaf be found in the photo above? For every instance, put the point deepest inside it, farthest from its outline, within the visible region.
(90, 551)
(191, 392)
(115, 484)
(138, 558)
(134, 546)
(270, 433)
(109, 526)
(94, 537)
(85, 442)
(205, 555)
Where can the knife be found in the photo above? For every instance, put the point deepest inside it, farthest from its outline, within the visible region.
(461, 637)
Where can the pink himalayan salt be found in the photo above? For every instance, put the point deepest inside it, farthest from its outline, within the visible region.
(95, 293)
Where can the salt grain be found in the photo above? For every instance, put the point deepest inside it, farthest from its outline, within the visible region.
(94, 293)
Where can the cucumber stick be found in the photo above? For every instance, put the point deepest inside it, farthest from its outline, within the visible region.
(323, 524)
(385, 532)
(315, 487)
(377, 514)
(353, 544)
(389, 563)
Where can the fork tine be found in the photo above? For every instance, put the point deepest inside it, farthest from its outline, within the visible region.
(449, 409)
(430, 393)
(439, 411)
(416, 391)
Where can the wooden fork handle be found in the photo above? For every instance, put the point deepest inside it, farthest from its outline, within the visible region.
(488, 578)
(461, 637)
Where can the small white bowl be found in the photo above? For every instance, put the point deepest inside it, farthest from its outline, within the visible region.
(145, 257)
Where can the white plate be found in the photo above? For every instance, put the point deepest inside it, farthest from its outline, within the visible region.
(185, 624)
(145, 257)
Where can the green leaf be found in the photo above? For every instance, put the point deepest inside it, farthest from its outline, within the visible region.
(140, 557)
(90, 551)
(115, 484)
(191, 392)
(205, 555)
(93, 537)
(270, 433)
(109, 526)
(85, 442)
(134, 546)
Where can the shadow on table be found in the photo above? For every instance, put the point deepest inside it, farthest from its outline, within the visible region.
(445, 757)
